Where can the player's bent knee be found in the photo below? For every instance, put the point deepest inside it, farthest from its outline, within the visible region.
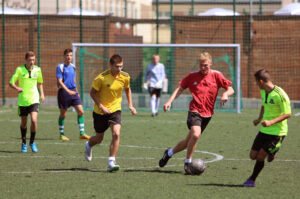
(260, 158)
(98, 138)
(34, 121)
(63, 113)
(81, 113)
(196, 135)
(116, 135)
(23, 123)
(253, 155)
(98, 141)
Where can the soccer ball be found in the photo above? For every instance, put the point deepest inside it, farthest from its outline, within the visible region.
(197, 167)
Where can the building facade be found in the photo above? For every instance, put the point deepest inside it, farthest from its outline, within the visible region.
(121, 8)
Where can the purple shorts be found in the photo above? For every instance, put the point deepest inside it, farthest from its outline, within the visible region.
(65, 100)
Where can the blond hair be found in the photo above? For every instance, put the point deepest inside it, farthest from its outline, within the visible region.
(205, 56)
(155, 55)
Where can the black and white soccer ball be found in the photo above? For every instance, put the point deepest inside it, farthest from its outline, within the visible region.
(197, 167)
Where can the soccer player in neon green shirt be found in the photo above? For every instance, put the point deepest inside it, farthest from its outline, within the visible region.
(274, 112)
(29, 78)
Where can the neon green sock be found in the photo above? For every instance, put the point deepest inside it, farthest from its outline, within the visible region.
(80, 121)
(61, 125)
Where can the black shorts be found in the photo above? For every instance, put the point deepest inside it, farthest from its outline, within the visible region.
(194, 119)
(155, 91)
(65, 100)
(25, 110)
(102, 122)
(270, 143)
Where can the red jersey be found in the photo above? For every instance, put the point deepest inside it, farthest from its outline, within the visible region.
(204, 89)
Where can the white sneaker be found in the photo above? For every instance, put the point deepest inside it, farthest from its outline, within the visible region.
(88, 152)
(112, 167)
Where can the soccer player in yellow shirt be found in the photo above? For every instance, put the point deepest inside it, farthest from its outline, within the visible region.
(106, 92)
(274, 112)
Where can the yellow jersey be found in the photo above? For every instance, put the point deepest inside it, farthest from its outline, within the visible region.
(109, 90)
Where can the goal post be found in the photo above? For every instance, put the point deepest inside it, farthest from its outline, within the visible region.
(179, 59)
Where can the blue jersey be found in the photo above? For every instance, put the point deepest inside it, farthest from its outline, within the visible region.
(67, 74)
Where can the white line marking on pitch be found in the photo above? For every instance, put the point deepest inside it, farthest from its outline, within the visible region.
(297, 114)
(217, 158)
(5, 111)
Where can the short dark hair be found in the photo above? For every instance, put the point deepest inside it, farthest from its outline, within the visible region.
(262, 74)
(115, 59)
(68, 50)
(29, 54)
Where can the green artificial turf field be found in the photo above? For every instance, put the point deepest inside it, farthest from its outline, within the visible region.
(59, 169)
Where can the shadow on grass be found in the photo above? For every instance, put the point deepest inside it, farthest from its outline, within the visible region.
(152, 171)
(217, 185)
(10, 151)
(75, 169)
(18, 138)
(47, 139)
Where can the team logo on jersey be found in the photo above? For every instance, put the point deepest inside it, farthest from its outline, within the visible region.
(108, 85)
(272, 101)
(195, 83)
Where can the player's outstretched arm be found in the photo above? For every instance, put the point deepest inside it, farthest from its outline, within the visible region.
(129, 99)
(229, 91)
(176, 93)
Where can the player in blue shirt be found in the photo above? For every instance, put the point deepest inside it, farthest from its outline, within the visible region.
(68, 95)
(154, 79)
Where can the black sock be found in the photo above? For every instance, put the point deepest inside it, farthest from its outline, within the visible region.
(23, 135)
(32, 136)
(257, 169)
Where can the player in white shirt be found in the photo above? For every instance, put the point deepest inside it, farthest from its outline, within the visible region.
(153, 80)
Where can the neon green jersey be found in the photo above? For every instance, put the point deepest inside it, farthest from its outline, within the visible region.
(28, 82)
(275, 103)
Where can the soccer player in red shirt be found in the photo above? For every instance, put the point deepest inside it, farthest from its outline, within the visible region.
(203, 85)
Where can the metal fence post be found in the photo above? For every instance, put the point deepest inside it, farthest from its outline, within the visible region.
(38, 33)
(260, 7)
(125, 8)
(193, 4)
(81, 63)
(57, 6)
(157, 24)
(171, 71)
(3, 54)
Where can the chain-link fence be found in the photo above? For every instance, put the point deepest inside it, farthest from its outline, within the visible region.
(267, 40)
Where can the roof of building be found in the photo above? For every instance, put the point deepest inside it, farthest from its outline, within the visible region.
(218, 1)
